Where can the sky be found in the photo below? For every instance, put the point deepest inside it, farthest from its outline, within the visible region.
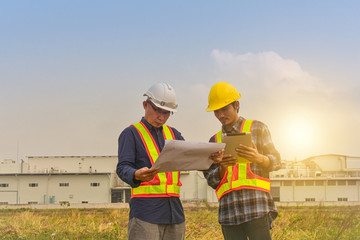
(73, 73)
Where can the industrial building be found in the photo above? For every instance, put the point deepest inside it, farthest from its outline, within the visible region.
(78, 179)
(92, 179)
(46, 180)
(324, 178)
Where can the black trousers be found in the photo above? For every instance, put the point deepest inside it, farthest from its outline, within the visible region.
(258, 229)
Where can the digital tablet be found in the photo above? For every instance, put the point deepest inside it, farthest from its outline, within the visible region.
(233, 140)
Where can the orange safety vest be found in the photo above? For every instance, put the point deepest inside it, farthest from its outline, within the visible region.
(240, 175)
(165, 184)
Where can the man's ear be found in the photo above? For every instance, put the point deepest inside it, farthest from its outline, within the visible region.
(237, 106)
(144, 104)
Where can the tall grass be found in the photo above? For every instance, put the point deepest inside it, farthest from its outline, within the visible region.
(293, 223)
(64, 224)
(327, 223)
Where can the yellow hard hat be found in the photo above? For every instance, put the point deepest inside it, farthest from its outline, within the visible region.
(222, 94)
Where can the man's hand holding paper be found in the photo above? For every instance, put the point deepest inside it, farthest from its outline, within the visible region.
(186, 155)
(145, 174)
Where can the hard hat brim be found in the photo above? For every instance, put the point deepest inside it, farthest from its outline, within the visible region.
(219, 106)
(162, 105)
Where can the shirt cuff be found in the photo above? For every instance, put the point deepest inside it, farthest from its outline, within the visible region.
(132, 182)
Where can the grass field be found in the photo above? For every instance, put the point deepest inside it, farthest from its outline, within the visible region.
(293, 223)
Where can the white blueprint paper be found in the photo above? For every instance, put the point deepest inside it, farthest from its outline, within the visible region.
(178, 155)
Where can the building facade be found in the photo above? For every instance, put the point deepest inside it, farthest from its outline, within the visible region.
(78, 179)
(41, 188)
(93, 179)
(324, 178)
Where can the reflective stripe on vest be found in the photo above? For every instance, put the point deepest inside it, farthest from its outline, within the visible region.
(164, 184)
(241, 176)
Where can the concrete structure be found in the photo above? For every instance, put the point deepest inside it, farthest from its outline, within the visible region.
(92, 180)
(324, 178)
(78, 179)
(40, 188)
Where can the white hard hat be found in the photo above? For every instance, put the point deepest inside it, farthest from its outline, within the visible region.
(163, 96)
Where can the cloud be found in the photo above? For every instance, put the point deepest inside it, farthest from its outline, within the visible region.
(271, 80)
(264, 70)
(280, 92)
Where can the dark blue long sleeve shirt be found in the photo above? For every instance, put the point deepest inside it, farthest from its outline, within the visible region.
(132, 156)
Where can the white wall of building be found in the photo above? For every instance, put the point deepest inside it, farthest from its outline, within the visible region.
(8, 190)
(287, 194)
(45, 188)
(193, 186)
(81, 189)
(351, 193)
(301, 193)
(78, 172)
(338, 190)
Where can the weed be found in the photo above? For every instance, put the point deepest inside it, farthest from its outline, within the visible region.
(296, 223)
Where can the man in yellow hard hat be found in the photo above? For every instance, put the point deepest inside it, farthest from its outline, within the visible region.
(156, 211)
(246, 208)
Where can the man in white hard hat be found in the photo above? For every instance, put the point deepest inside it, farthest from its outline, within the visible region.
(156, 211)
(246, 208)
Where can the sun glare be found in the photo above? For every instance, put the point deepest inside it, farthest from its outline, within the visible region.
(300, 135)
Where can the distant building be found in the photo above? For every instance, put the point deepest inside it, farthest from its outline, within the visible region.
(78, 179)
(93, 179)
(324, 178)
(44, 180)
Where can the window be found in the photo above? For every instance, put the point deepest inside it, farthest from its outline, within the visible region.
(310, 199)
(319, 183)
(342, 199)
(332, 183)
(351, 182)
(85, 202)
(32, 202)
(287, 183)
(276, 199)
(95, 184)
(275, 191)
(4, 203)
(299, 183)
(33, 184)
(63, 184)
(4, 185)
(309, 183)
(341, 182)
(127, 195)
